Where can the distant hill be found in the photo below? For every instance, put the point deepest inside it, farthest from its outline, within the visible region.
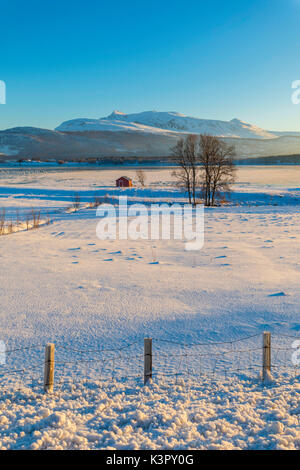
(148, 134)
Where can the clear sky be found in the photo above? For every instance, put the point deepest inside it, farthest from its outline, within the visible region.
(211, 59)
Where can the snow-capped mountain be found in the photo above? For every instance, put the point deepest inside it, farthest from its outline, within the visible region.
(141, 135)
(154, 122)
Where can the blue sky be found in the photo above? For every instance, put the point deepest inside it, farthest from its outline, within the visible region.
(217, 60)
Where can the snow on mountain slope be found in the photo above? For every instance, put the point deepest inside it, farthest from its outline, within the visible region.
(161, 122)
(7, 150)
(107, 124)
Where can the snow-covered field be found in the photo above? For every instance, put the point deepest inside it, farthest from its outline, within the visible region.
(226, 414)
(97, 300)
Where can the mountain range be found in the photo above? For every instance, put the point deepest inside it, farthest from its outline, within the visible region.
(155, 122)
(146, 134)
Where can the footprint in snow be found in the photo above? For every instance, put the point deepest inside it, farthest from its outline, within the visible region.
(278, 294)
(55, 234)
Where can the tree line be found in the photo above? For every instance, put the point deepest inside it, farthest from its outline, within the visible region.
(206, 167)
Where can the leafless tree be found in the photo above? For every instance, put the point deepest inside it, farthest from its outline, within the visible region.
(141, 177)
(17, 217)
(36, 215)
(10, 226)
(2, 221)
(217, 167)
(76, 201)
(185, 156)
(96, 202)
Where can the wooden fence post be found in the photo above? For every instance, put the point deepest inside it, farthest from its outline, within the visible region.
(147, 359)
(49, 368)
(266, 356)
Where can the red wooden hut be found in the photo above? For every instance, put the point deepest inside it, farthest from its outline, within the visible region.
(124, 182)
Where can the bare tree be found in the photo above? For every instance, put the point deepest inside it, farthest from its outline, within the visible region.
(185, 156)
(141, 177)
(191, 153)
(217, 167)
(36, 215)
(76, 201)
(2, 221)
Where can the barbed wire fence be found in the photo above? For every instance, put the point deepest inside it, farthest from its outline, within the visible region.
(57, 367)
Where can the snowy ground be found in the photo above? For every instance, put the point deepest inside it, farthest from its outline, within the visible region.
(61, 284)
(227, 414)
